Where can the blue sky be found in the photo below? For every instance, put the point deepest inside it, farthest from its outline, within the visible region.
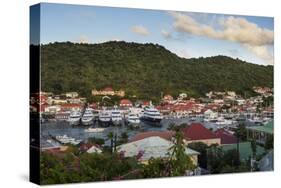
(184, 33)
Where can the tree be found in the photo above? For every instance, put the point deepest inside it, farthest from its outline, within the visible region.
(214, 157)
(110, 136)
(202, 149)
(269, 142)
(254, 147)
(179, 161)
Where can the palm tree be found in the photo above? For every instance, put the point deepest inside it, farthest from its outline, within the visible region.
(110, 137)
(179, 162)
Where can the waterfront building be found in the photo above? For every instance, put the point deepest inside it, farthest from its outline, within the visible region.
(153, 147)
(196, 132)
(108, 91)
(71, 94)
(225, 136)
(168, 135)
(260, 133)
(125, 103)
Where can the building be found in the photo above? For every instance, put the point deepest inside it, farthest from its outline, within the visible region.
(182, 96)
(245, 150)
(260, 133)
(168, 135)
(153, 147)
(108, 91)
(196, 132)
(210, 114)
(90, 148)
(225, 136)
(168, 99)
(71, 94)
(125, 103)
(52, 109)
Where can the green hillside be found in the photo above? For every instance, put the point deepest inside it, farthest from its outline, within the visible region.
(144, 70)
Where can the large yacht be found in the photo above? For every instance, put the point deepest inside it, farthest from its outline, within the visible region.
(74, 118)
(151, 114)
(104, 116)
(133, 119)
(116, 116)
(88, 117)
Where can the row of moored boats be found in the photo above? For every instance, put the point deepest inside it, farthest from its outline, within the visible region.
(115, 116)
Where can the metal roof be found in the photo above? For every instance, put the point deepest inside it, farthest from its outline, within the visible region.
(154, 146)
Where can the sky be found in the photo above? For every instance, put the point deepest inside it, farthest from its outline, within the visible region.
(186, 34)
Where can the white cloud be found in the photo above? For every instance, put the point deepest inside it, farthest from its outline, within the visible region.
(166, 34)
(262, 52)
(240, 30)
(139, 29)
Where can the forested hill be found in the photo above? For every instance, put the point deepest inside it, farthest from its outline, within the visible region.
(144, 70)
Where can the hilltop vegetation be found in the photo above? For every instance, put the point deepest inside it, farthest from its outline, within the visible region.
(144, 70)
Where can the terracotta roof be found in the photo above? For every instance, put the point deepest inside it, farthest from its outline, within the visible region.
(196, 131)
(71, 105)
(163, 134)
(108, 89)
(145, 103)
(125, 101)
(225, 136)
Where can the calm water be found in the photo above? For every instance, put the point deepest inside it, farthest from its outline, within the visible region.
(78, 132)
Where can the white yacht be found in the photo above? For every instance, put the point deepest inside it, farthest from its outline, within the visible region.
(133, 119)
(88, 117)
(116, 116)
(74, 118)
(68, 140)
(151, 114)
(94, 130)
(104, 116)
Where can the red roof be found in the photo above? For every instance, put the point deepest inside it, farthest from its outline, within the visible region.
(108, 89)
(163, 134)
(125, 101)
(70, 105)
(196, 131)
(43, 98)
(225, 136)
(145, 103)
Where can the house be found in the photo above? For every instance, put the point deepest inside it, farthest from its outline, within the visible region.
(71, 94)
(210, 114)
(196, 132)
(168, 98)
(52, 109)
(74, 100)
(260, 133)
(90, 148)
(94, 149)
(182, 96)
(225, 136)
(57, 100)
(218, 101)
(146, 103)
(108, 91)
(125, 103)
(168, 135)
(155, 147)
(240, 101)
